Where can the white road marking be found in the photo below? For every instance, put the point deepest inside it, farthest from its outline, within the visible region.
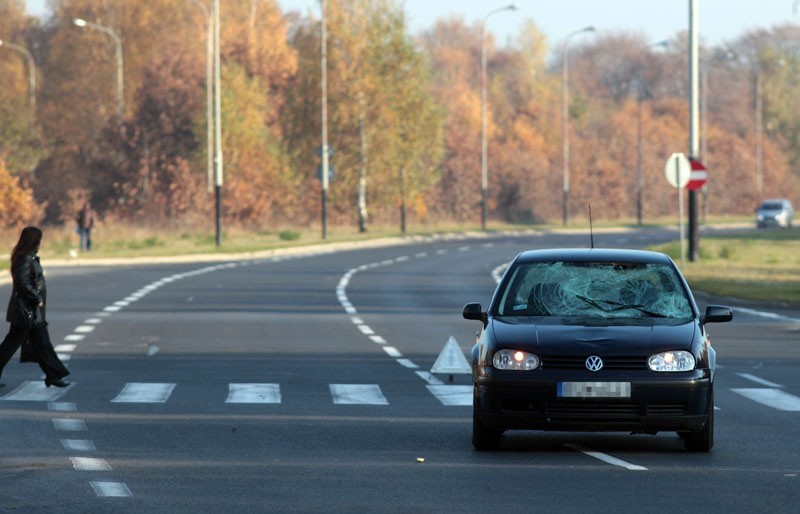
(69, 425)
(378, 339)
(65, 348)
(138, 392)
(93, 321)
(35, 391)
(75, 337)
(254, 393)
(770, 315)
(62, 407)
(111, 489)
(365, 329)
(452, 395)
(89, 464)
(78, 445)
(64, 357)
(774, 398)
(112, 308)
(605, 458)
(84, 329)
(152, 350)
(357, 394)
(407, 364)
(429, 378)
(759, 380)
(391, 351)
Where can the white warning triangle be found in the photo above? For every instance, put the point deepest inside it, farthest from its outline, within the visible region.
(451, 360)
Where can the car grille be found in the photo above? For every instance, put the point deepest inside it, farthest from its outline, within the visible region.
(579, 362)
(598, 410)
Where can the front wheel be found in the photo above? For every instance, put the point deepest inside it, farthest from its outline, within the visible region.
(483, 438)
(702, 440)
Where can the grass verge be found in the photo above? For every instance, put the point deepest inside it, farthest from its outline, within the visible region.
(762, 265)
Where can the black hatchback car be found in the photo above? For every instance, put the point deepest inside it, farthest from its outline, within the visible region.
(594, 340)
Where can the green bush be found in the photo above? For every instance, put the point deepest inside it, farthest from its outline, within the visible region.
(289, 235)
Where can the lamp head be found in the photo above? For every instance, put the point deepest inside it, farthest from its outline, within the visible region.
(80, 22)
(590, 28)
(513, 7)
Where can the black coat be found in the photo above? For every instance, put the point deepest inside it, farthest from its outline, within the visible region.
(30, 287)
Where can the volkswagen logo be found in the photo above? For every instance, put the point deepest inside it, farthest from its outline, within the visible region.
(594, 363)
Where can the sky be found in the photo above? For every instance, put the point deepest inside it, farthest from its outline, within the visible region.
(718, 20)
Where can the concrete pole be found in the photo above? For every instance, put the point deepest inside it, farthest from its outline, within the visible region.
(694, 126)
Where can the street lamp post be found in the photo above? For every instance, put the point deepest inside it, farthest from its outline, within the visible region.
(639, 156)
(31, 73)
(80, 22)
(565, 115)
(484, 142)
(209, 92)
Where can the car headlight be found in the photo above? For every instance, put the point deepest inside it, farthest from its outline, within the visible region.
(515, 360)
(671, 361)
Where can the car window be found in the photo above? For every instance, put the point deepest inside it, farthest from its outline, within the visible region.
(600, 290)
(772, 206)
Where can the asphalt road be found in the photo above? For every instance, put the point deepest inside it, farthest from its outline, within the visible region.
(302, 384)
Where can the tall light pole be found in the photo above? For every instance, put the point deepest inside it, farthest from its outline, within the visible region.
(31, 73)
(217, 128)
(484, 143)
(565, 115)
(209, 92)
(324, 115)
(80, 22)
(639, 156)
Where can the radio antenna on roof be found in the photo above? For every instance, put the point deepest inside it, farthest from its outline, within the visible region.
(591, 232)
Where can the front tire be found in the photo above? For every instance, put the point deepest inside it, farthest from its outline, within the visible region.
(703, 440)
(483, 439)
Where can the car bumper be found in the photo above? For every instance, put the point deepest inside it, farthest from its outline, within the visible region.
(655, 404)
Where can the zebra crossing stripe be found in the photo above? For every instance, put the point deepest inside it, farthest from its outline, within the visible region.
(80, 445)
(137, 392)
(254, 393)
(774, 398)
(357, 394)
(31, 391)
(89, 464)
(110, 489)
(452, 395)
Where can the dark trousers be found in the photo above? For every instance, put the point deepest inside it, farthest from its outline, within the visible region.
(39, 339)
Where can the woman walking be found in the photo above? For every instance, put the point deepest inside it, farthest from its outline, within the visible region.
(26, 310)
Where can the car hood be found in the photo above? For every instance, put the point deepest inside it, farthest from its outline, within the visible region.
(579, 339)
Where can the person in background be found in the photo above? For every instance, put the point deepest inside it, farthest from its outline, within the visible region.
(85, 220)
(26, 311)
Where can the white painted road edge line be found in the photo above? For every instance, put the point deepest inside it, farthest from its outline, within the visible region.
(758, 380)
(608, 459)
(770, 315)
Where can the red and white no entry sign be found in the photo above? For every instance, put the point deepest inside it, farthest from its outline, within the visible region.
(698, 175)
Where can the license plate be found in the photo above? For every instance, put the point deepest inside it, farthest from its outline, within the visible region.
(594, 389)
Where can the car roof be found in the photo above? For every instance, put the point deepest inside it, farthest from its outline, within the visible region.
(593, 255)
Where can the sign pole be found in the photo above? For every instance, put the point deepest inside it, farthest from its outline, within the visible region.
(694, 117)
(680, 207)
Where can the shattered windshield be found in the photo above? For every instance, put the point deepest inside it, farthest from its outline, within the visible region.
(600, 290)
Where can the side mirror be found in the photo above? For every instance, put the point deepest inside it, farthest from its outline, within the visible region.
(474, 311)
(717, 314)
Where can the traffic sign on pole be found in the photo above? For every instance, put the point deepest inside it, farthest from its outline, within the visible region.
(677, 170)
(698, 176)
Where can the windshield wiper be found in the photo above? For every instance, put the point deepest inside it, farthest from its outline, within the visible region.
(617, 306)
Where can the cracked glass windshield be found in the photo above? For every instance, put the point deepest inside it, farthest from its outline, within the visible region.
(600, 290)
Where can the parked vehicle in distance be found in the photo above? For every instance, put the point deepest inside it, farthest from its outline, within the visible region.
(776, 212)
(593, 340)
